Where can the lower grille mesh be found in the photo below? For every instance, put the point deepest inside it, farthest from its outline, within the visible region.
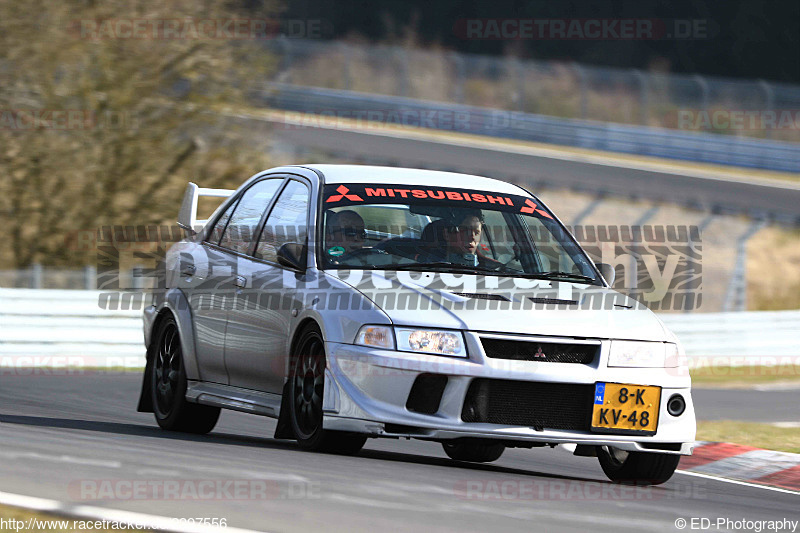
(523, 403)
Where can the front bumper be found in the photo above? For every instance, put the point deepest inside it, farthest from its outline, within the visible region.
(366, 392)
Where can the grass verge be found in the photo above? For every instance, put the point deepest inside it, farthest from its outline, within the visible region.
(744, 376)
(753, 434)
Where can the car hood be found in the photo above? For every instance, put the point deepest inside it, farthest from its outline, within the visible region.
(433, 300)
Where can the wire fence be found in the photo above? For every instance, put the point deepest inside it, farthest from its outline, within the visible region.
(746, 108)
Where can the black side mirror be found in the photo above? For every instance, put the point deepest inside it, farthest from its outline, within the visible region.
(293, 255)
(607, 271)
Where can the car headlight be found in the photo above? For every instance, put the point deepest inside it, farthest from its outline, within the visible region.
(431, 341)
(376, 336)
(418, 340)
(642, 354)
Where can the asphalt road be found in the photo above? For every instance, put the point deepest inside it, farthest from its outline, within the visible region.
(536, 171)
(74, 438)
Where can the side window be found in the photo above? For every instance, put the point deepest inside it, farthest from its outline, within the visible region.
(240, 233)
(219, 227)
(287, 222)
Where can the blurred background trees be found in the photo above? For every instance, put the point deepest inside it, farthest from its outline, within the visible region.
(121, 123)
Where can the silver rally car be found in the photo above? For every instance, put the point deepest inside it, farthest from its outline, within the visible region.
(352, 302)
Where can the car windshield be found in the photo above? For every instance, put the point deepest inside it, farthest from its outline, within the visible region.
(402, 227)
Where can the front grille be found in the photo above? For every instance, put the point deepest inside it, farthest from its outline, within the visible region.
(523, 403)
(545, 352)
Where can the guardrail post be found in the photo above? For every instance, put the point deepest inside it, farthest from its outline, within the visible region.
(594, 204)
(137, 281)
(705, 223)
(36, 276)
(646, 216)
(286, 63)
(520, 75)
(582, 88)
(701, 227)
(458, 86)
(643, 103)
(402, 78)
(703, 84)
(89, 277)
(736, 296)
(769, 102)
(348, 81)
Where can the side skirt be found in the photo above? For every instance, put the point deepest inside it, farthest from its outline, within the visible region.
(235, 398)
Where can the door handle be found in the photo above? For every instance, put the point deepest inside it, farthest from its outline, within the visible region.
(240, 282)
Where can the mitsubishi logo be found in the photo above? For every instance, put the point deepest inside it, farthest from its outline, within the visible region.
(539, 354)
(533, 208)
(342, 190)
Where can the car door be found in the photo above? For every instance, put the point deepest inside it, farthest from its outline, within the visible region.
(216, 272)
(257, 339)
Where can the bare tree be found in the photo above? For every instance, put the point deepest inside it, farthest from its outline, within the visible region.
(100, 127)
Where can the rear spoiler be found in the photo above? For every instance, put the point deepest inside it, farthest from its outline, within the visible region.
(187, 217)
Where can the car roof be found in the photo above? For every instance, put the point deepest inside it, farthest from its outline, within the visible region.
(411, 176)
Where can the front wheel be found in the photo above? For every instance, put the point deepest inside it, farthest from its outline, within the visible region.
(306, 390)
(640, 468)
(168, 386)
(474, 451)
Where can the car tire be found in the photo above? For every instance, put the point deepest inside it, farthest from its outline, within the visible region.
(473, 450)
(640, 468)
(168, 386)
(306, 393)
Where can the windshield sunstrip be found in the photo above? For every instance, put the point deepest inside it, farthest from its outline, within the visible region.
(361, 193)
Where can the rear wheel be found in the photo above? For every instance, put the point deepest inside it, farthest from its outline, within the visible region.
(168, 387)
(473, 450)
(306, 391)
(640, 468)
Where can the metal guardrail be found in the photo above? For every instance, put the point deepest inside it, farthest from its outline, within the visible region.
(554, 88)
(42, 324)
(37, 325)
(755, 335)
(332, 104)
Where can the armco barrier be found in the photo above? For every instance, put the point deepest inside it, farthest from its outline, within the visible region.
(638, 140)
(44, 323)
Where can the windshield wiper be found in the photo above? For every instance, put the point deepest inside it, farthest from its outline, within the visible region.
(445, 265)
(561, 275)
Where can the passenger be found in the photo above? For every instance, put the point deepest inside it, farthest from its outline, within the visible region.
(345, 230)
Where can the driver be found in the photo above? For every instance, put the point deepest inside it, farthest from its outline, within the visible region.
(461, 237)
(345, 229)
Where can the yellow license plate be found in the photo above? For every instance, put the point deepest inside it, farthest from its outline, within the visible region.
(624, 408)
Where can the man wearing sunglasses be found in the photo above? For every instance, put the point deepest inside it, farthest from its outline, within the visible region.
(345, 232)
